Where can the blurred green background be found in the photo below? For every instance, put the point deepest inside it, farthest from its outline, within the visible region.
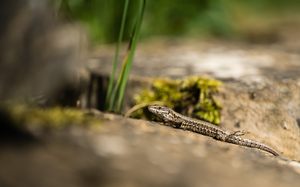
(234, 19)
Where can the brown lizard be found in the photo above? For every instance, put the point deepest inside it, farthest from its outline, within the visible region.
(176, 120)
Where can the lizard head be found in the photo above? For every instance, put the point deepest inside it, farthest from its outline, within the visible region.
(162, 112)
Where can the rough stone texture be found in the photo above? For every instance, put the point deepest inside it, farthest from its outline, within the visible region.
(261, 84)
(269, 112)
(126, 152)
(260, 96)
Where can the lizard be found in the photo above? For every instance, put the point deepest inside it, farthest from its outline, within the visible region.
(176, 120)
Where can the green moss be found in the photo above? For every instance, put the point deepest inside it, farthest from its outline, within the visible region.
(51, 117)
(192, 96)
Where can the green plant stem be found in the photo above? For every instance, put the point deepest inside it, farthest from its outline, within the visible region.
(132, 48)
(109, 94)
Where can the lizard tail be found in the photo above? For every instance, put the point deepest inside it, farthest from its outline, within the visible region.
(249, 143)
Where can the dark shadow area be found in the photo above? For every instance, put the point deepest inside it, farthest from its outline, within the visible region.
(12, 133)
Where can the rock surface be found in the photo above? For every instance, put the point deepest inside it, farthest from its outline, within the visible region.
(260, 95)
(127, 152)
(261, 83)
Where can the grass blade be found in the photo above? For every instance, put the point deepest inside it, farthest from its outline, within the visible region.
(110, 94)
(129, 59)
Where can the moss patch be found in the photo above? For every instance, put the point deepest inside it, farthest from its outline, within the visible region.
(53, 118)
(192, 96)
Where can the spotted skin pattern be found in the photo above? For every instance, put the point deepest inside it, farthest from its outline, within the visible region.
(176, 120)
